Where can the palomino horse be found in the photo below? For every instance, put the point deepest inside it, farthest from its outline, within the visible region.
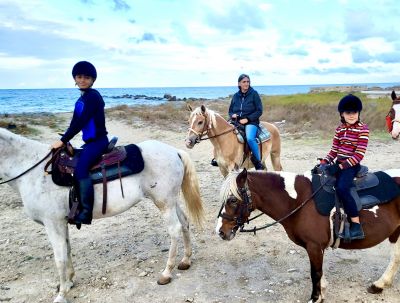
(393, 117)
(167, 171)
(287, 198)
(228, 151)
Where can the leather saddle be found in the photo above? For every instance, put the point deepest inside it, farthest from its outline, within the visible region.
(115, 163)
(369, 189)
(262, 133)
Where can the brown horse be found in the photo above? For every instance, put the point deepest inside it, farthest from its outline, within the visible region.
(393, 117)
(228, 151)
(287, 198)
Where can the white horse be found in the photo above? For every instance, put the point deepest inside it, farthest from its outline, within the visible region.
(167, 171)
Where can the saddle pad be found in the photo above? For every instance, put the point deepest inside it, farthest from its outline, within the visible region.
(133, 164)
(386, 190)
(324, 200)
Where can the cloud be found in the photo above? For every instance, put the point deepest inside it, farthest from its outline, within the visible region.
(334, 70)
(120, 5)
(30, 43)
(237, 18)
(298, 52)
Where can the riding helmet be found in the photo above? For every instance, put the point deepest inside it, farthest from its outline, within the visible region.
(84, 68)
(350, 103)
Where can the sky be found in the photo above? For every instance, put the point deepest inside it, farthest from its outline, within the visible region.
(185, 43)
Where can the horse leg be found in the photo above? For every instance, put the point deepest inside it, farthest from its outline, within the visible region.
(316, 256)
(187, 243)
(174, 228)
(386, 279)
(57, 232)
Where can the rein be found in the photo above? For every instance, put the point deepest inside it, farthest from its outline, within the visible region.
(246, 197)
(29, 169)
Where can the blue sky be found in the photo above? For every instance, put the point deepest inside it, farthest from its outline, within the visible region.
(157, 43)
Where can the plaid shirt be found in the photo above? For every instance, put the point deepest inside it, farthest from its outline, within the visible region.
(349, 144)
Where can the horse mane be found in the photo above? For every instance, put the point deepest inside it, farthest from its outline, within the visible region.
(13, 139)
(212, 114)
(229, 186)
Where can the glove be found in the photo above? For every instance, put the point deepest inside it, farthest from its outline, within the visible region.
(332, 169)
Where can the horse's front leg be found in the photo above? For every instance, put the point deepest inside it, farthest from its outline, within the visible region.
(174, 228)
(57, 231)
(187, 243)
(316, 256)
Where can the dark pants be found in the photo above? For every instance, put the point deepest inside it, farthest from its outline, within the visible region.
(90, 154)
(344, 181)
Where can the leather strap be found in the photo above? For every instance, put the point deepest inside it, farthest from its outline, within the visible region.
(103, 171)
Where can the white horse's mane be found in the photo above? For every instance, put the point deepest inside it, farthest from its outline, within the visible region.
(229, 186)
(17, 140)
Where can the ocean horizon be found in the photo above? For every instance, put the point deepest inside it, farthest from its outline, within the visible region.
(58, 100)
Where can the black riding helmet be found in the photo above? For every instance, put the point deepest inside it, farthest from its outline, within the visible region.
(350, 103)
(84, 68)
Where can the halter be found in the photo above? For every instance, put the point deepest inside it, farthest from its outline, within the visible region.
(245, 194)
(206, 128)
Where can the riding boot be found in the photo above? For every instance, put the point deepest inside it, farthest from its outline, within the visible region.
(356, 231)
(86, 199)
(257, 164)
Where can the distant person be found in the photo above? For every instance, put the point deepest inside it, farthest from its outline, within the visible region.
(246, 108)
(348, 148)
(89, 118)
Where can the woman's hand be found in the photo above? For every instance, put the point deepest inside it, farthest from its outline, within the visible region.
(234, 116)
(243, 121)
(57, 144)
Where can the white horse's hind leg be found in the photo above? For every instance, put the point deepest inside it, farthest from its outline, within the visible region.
(386, 279)
(187, 243)
(59, 239)
(174, 228)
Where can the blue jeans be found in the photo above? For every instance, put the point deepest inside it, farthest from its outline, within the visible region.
(90, 154)
(344, 181)
(251, 135)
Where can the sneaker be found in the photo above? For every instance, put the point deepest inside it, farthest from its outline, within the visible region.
(259, 166)
(214, 162)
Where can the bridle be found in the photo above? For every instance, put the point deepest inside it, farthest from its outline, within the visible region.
(206, 128)
(391, 116)
(247, 204)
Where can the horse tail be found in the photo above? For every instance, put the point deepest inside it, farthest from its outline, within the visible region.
(191, 189)
(276, 148)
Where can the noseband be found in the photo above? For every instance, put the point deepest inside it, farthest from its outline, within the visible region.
(244, 205)
(205, 130)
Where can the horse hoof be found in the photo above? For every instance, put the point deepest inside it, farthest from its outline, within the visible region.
(374, 289)
(183, 266)
(60, 299)
(163, 280)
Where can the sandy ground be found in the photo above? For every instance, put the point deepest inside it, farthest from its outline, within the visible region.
(118, 259)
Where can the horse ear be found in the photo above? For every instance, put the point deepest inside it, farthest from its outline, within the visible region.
(241, 178)
(188, 107)
(393, 95)
(203, 109)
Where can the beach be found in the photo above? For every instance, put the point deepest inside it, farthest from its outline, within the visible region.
(118, 259)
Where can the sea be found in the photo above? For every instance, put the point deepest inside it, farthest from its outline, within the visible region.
(28, 101)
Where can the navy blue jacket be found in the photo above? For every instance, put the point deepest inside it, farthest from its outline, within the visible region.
(88, 117)
(247, 105)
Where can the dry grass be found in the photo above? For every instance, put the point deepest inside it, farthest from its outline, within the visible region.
(305, 115)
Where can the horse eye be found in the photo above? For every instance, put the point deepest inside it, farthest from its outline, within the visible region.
(200, 122)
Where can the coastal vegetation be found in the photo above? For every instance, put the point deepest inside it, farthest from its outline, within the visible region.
(311, 115)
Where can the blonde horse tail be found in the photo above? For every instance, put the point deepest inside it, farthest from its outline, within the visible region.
(191, 190)
(276, 148)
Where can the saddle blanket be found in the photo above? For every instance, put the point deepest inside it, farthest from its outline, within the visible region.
(262, 134)
(366, 196)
